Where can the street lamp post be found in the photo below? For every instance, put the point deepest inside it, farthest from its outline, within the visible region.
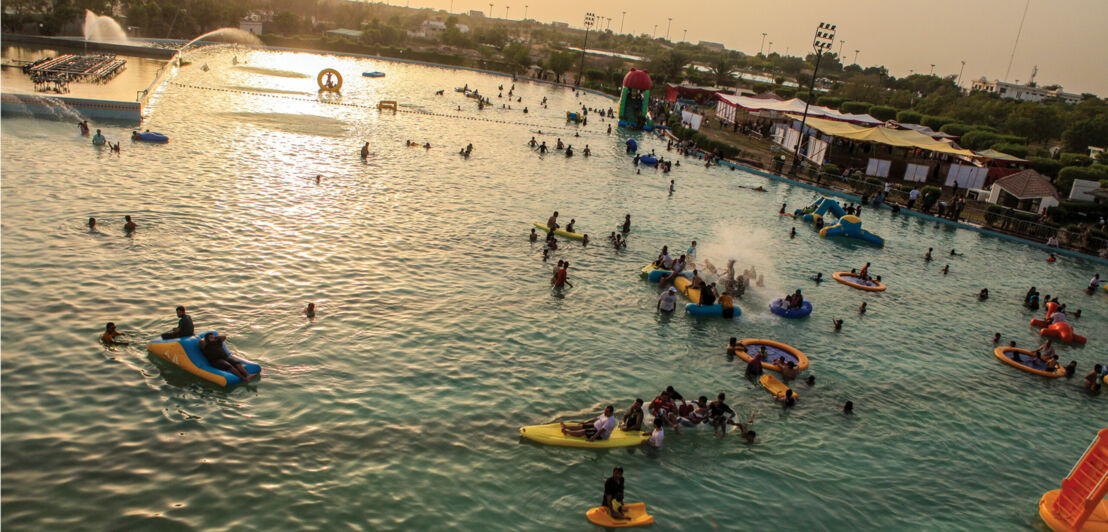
(762, 47)
(525, 11)
(590, 18)
(770, 49)
(609, 25)
(654, 33)
(668, 24)
(932, 73)
(856, 56)
(825, 37)
(490, 10)
(684, 34)
(621, 19)
(840, 57)
(506, 8)
(960, 73)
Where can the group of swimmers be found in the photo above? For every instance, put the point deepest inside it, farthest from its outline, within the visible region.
(542, 148)
(129, 225)
(98, 139)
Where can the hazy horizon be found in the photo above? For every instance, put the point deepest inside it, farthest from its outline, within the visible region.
(1061, 37)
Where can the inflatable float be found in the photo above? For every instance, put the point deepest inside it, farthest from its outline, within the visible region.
(854, 281)
(560, 232)
(1081, 505)
(778, 307)
(373, 74)
(818, 209)
(712, 310)
(551, 434)
(774, 352)
(851, 226)
(632, 146)
(329, 79)
(1061, 330)
(655, 274)
(776, 387)
(185, 354)
(648, 160)
(1027, 361)
(574, 117)
(636, 511)
(149, 136)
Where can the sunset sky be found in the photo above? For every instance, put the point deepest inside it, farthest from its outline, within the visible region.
(1065, 38)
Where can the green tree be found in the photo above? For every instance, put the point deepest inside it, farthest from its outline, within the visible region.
(1084, 133)
(560, 63)
(287, 23)
(720, 68)
(518, 56)
(668, 65)
(1037, 122)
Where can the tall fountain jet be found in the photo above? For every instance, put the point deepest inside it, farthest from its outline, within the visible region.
(103, 28)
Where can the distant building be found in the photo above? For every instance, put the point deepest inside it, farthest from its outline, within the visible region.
(349, 34)
(476, 13)
(560, 25)
(711, 45)
(1027, 93)
(1026, 191)
(252, 24)
(462, 28)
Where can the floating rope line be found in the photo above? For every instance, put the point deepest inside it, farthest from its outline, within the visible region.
(371, 107)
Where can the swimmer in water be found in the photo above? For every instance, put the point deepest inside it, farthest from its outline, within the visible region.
(310, 310)
(671, 186)
(946, 269)
(848, 407)
(108, 338)
(927, 257)
(983, 294)
(92, 224)
(585, 240)
(955, 253)
(534, 236)
(365, 151)
(838, 323)
(996, 338)
(862, 309)
(587, 152)
(792, 234)
(130, 225)
(99, 140)
(782, 211)
(818, 278)
(83, 126)
(318, 177)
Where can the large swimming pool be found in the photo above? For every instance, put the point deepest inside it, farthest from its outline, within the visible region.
(438, 335)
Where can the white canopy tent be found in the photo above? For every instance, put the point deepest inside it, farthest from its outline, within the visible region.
(727, 105)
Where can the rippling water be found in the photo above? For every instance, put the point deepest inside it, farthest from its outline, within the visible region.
(438, 335)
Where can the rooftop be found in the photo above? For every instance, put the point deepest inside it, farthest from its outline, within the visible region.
(1027, 184)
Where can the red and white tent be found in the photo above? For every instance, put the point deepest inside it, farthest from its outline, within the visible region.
(727, 105)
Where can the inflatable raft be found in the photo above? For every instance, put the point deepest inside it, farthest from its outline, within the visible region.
(560, 232)
(185, 354)
(778, 307)
(636, 511)
(655, 274)
(1027, 361)
(712, 310)
(855, 281)
(551, 434)
(774, 352)
(149, 136)
(648, 160)
(776, 387)
(373, 74)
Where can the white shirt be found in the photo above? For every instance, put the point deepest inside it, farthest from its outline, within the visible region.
(667, 261)
(1058, 317)
(678, 266)
(1095, 282)
(656, 438)
(913, 194)
(604, 425)
(668, 301)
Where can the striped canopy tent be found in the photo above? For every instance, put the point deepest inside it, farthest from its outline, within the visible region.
(901, 138)
(728, 104)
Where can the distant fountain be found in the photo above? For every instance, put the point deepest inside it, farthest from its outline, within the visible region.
(226, 35)
(103, 28)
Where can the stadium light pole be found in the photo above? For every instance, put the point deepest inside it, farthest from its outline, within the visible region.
(825, 37)
(856, 56)
(762, 47)
(668, 24)
(590, 18)
(621, 19)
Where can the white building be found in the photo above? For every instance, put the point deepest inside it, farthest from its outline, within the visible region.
(252, 24)
(1027, 93)
(1026, 191)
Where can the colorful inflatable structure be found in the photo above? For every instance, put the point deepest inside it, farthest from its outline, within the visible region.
(1081, 505)
(851, 226)
(818, 209)
(1060, 330)
(634, 101)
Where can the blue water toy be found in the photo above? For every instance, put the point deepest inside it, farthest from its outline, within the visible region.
(149, 136)
(819, 209)
(634, 100)
(780, 308)
(373, 74)
(633, 146)
(648, 160)
(711, 310)
(574, 117)
(185, 354)
(851, 226)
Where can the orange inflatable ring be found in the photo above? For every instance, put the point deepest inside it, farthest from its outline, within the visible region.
(1002, 354)
(847, 279)
(801, 358)
(323, 73)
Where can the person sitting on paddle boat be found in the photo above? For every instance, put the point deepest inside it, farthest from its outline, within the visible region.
(613, 495)
(1045, 351)
(678, 266)
(663, 407)
(698, 414)
(795, 301)
(552, 222)
(597, 428)
(864, 274)
(726, 303)
(108, 338)
(664, 261)
(569, 226)
(707, 294)
(212, 348)
(632, 420)
(716, 411)
(184, 327)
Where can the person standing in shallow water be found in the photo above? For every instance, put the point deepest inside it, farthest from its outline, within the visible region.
(130, 225)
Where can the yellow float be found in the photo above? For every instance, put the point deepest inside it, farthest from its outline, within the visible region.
(551, 434)
(636, 511)
(774, 350)
(1033, 363)
(327, 86)
(853, 280)
(386, 105)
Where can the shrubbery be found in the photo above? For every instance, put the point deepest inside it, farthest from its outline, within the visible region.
(1045, 166)
(1018, 150)
(1075, 159)
(883, 112)
(856, 108)
(909, 117)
